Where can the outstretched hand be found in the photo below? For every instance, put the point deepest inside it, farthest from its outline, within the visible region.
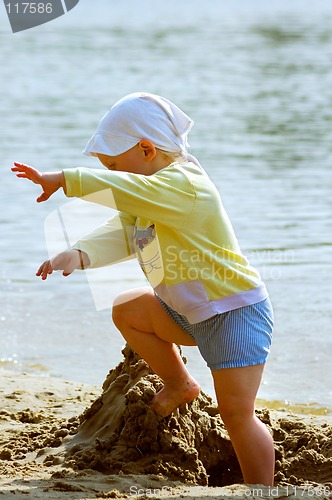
(50, 182)
(66, 261)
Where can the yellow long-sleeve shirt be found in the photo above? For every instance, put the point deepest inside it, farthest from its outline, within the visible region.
(175, 224)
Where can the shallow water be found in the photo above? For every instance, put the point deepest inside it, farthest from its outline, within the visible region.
(257, 81)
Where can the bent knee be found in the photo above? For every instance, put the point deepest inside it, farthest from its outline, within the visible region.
(128, 296)
(120, 310)
(118, 315)
(129, 306)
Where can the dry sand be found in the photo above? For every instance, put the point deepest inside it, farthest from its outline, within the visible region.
(62, 440)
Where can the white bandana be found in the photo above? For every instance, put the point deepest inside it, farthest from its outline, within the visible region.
(141, 116)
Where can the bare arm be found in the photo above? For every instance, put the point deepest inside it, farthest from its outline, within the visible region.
(50, 182)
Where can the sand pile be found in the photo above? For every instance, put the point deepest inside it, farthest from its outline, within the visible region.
(119, 433)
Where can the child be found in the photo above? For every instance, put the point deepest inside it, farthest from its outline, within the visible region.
(202, 289)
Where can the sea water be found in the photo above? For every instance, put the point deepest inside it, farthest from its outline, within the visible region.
(256, 77)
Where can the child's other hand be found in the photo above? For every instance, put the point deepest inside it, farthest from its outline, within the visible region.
(66, 261)
(49, 181)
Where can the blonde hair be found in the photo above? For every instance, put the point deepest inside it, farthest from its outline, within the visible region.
(172, 157)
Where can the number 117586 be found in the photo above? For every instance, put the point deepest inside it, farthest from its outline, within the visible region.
(29, 8)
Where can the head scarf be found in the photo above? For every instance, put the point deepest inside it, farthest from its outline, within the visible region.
(141, 116)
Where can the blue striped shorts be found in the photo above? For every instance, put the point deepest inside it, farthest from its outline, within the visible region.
(237, 338)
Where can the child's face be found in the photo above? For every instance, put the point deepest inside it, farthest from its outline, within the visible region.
(129, 161)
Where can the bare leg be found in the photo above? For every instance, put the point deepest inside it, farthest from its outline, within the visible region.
(236, 390)
(152, 334)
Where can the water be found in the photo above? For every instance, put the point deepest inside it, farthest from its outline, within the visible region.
(256, 77)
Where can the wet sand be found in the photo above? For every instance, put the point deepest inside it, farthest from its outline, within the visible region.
(67, 440)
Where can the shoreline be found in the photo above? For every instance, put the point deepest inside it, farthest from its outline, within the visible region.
(305, 410)
(39, 416)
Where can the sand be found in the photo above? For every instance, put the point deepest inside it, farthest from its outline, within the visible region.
(61, 440)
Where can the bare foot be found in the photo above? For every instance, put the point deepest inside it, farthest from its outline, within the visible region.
(174, 394)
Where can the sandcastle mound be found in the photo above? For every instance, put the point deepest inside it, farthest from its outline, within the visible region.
(119, 433)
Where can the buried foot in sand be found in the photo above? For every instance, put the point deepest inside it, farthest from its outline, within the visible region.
(174, 394)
